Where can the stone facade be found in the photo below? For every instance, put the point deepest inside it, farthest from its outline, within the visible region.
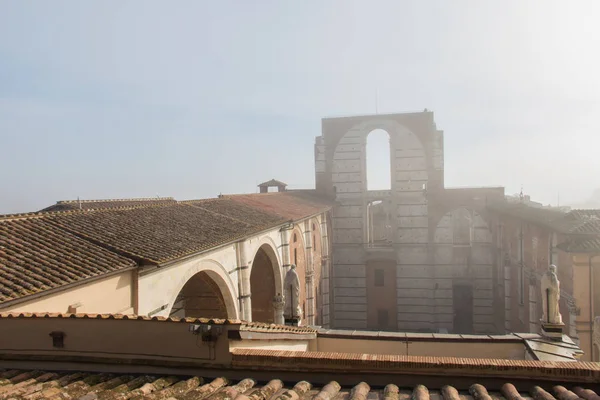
(524, 250)
(427, 246)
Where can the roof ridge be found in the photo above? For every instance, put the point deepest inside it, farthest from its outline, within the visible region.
(115, 200)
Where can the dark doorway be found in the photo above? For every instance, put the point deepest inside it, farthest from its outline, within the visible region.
(381, 296)
(463, 308)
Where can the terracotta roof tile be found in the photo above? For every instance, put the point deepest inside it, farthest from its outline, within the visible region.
(581, 245)
(576, 222)
(238, 211)
(292, 205)
(273, 182)
(66, 205)
(549, 218)
(244, 325)
(158, 234)
(36, 256)
(16, 383)
(282, 360)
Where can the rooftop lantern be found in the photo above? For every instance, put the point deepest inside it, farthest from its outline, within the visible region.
(264, 187)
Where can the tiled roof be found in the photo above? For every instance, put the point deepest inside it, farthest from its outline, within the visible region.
(40, 384)
(589, 221)
(50, 249)
(273, 182)
(292, 205)
(549, 218)
(331, 362)
(158, 234)
(243, 325)
(36, 256)
(576, 222)
(236, 210)
(66, 205)
(581, 245)
(583, 213)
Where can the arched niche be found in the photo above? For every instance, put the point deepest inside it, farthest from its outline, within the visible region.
(265, 283)
(206, 294)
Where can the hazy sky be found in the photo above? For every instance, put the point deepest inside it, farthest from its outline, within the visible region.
(112, 99)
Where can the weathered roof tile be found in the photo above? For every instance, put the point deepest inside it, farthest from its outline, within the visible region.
(36, 256)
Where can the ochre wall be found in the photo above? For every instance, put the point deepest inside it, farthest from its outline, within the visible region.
(108, 295)
(581, 290)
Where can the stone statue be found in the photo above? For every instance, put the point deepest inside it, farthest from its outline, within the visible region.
(291, 290)
(551, 297)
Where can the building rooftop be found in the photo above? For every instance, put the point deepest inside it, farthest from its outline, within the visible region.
(66, 205)
(51, 249)
(575, 222)
(272, 182)
(37, 384)
(36, 256)
(112, 356)
(291, 205)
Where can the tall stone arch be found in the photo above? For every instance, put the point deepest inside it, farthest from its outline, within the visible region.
(204, 290)
(265, 283)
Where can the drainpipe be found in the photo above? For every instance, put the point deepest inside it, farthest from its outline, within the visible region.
(592, 308)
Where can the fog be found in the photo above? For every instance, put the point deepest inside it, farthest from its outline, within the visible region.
(190, 99)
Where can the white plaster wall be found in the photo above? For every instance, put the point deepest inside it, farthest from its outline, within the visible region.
(289, 345)
(161, 286)
(108, 295)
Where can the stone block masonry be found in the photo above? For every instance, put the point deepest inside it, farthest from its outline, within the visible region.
(426, 247)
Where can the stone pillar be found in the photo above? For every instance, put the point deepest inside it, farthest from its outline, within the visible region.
(278, 304)
(310, 287)
(285, 247)
(244, 283)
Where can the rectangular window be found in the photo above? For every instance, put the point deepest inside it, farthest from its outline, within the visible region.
(296, 257)
(382, 318)
(379, 278)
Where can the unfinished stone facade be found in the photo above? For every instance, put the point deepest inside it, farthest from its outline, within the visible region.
(417, 257)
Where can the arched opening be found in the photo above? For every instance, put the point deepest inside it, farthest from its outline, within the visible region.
(379, 167)
(263, 284)
(379, 224)
(201, 296)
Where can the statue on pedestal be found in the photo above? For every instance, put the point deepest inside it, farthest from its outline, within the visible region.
(291, 290)
(550, 298)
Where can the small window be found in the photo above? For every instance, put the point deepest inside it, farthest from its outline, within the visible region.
(58, 339)
(379, 278)
(296, 257)
(295, 238)
(382, 318)
(314, 242)
(313, 227)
